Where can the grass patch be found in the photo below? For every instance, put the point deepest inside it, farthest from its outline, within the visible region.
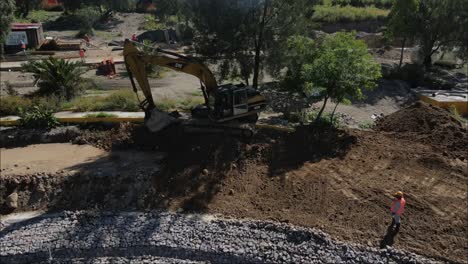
(13, 104)
(185, 104)
(36, 16)
(198, 93)
(385, 4)
(151, 23)
(332, 14)
(100, 115)
(126, 100)
(105, 35)
(367, 125)
(122, 100)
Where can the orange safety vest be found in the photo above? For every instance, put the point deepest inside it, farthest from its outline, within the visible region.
(400, 210)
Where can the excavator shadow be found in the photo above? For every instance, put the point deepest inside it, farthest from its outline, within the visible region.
(308, 144)
(175, 170)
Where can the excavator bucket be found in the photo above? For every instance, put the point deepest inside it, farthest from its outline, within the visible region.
(157, 120)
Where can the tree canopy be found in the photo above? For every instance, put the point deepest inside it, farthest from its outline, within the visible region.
(435, 24)
(7, 9)
(241, 34)
(339, 69)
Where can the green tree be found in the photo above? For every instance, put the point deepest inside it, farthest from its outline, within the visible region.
(341, 70)
(241, 34)
(441, 23)
(300, 51)
(7, 9)
(57, 76)
(435, 24)
(400, 22)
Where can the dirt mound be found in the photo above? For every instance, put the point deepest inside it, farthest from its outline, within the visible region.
(431, 125)
(336, 180)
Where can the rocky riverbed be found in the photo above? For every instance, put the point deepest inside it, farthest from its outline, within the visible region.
(162, 237)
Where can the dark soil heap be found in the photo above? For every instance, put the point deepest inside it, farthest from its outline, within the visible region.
(431, 125)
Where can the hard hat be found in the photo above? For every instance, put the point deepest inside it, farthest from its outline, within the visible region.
(398, 194)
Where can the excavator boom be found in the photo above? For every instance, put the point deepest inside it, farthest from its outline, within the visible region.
(137, 60)
(222, 103)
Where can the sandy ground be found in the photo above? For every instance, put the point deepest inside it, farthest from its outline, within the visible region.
(46, 158)
(58, 157)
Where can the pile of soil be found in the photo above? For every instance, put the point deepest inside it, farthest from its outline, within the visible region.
(431, 125)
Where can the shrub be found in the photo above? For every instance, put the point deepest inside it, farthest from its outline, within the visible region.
(38, 117)
(56, 77)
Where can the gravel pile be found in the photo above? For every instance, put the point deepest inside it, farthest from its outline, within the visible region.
(84, 237)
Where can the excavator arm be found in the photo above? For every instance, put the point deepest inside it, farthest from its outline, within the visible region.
(136, 61)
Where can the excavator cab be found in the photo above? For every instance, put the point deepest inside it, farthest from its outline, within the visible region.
(222, 103)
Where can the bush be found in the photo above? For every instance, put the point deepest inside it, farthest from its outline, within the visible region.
(334, 14)
(38, 117)
(56, 77)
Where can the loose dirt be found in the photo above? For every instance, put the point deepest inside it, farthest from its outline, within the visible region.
(340, 181)
(430, 125)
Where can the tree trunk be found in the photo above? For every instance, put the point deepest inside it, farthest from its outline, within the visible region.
(2, 51)
(333, 113)
(402, 51)
(321, 110)
(258, 46)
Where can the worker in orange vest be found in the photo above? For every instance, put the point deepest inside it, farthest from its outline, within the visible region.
(397, 209)
(82, 55)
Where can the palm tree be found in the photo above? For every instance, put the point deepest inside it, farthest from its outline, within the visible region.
(57, 77)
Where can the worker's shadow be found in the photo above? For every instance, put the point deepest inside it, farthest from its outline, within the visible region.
(389, 238)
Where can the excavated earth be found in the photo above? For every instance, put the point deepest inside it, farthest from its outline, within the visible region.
(339, 181)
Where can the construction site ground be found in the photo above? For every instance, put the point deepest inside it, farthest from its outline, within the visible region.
(339, 181)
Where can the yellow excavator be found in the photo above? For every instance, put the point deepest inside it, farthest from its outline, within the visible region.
(227, 107)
